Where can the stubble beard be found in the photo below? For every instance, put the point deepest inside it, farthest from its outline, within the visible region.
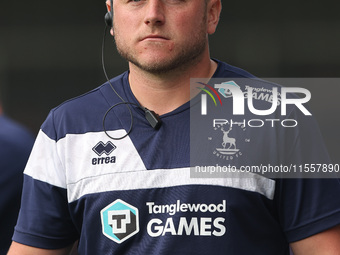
(188, 56)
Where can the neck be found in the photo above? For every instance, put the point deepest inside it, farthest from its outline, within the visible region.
(166, 92)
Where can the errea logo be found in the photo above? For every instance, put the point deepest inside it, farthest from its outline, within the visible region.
(100, 149)
(119, 221)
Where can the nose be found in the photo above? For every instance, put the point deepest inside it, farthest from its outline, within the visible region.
(154, 15)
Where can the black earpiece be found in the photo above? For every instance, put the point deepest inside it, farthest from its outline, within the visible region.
(108, 19)
(109, 16)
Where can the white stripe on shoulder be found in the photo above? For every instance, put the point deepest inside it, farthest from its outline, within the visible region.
(44, 163)
(81, 156)
(162, 178)
(95, 154)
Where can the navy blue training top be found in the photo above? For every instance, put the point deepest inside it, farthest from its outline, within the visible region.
(136, 196)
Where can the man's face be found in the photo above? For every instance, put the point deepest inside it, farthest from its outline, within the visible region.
(160, 35)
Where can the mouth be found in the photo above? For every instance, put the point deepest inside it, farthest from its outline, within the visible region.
(154, 38)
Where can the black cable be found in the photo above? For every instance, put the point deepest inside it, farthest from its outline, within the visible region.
(123, 101)
(150, 116)
(126, 103)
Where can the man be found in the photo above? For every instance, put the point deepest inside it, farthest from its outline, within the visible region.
(134, 195)
(15, 146)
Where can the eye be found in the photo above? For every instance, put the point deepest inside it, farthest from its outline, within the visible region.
(136, 2)
(173, 2)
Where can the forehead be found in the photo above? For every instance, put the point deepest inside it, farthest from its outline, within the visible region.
(169, 1)
(133, 5)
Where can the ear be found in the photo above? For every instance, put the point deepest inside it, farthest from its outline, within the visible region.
(213, 15)
(108, 7)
